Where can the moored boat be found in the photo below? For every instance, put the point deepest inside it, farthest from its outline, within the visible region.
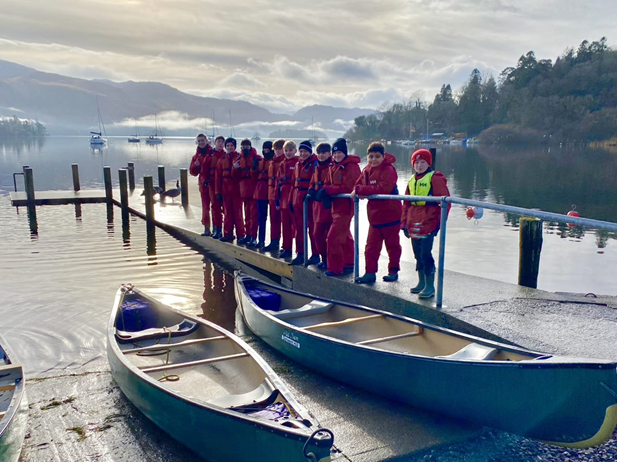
(13, 405)
(205, 387)
(559, 400)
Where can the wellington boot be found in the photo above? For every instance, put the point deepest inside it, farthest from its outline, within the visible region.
(243, 240)
(429, 288)
(391, 277)
(217, 232)
(421, 283)
(228, 238)
(313, 260)
(206, 231)
(368, 278)
(273, 246)
(252, 244)
(299, 260)
(285, 253)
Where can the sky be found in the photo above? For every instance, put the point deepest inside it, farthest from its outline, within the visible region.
(286, 54)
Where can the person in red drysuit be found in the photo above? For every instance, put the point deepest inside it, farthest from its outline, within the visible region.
(217, 205)
(341, 180)
(247, 164)
(384, 216)
(275, 213)
(284, 184)
(322, 214)
(420, 221)
(228, 191)
(301, 180)
(200, 166)
(261, 193)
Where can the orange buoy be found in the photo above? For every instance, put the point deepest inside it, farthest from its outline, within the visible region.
(469, 213)
(474, 213)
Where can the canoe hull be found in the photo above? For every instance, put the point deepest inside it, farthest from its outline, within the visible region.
(212, 432)
(562, 404)
(14, 423)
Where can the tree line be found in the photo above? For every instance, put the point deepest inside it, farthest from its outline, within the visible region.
(14, 127)
(573, 99)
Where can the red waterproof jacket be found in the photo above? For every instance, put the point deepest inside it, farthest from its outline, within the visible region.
(422, 220)
(302, 179)
(261, 180)
(214, 160)
(285, 180)
(381, 180)
(247, 179)
(203, 169)
(273, 169)
(227, 177)
(320, 213)
(341, 179)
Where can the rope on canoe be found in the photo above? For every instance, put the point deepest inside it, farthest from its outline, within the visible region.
(168, 377)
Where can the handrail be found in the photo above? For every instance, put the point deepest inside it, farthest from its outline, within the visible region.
(443, 201)
(15, 181)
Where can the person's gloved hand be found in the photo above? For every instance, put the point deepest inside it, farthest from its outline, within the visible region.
(406, 233)
(255, 163)
(312, 193)
(219, 197)
(277, 203)
(206, 183)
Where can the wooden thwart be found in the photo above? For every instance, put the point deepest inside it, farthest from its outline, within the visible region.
(7, 387)
(168, 346)
(344, 322)
(392, 337)
(199, 362)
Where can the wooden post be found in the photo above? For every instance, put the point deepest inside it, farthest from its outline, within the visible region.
(434, 155)
(29, 184)
(529, 252)
(148, 192)
(162, 177)
(184, 186)
(107, 180)
(76, 185)
(124, 192)
(131, 169)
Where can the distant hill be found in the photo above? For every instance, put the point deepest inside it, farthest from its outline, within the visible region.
(67, 105)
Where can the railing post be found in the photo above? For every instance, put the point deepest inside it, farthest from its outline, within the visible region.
(442, 251)
(305, 230)
(162, 177)
(107, 180)
(29, 185)
(148, 192)
(131, 170)
(76, 185)
(356, 236)
(184, 187)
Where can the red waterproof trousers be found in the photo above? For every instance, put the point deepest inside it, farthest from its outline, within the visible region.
(299, 219)
(275, 221)
(233, 215)
(251, 216)
(376, 238)
(288, 225)
(205, 205)
(216, 206)
(320, 234)
(340, 244)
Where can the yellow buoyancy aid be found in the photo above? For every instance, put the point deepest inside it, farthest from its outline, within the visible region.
(421, 187)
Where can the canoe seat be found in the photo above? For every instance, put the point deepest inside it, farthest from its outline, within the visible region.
(473, 352)
(184, 328)
(311, 308)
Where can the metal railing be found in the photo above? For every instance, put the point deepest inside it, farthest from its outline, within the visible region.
(443, 202)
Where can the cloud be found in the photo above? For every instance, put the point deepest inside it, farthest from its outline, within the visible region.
(241, 80)
(168, 120)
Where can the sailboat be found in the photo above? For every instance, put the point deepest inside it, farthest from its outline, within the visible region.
(154, 139)
(96, 138)
(135, 138)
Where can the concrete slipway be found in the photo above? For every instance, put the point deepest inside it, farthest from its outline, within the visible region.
(80, 414)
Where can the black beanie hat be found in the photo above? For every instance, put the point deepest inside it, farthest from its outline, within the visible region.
(231, 140)
(306, 145)
(340, 145)
(267, 145)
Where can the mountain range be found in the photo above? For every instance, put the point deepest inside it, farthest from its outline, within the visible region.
(68, 105)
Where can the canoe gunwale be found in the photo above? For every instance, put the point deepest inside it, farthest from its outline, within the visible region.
(270, 376)
(18, 392)
(536, 363)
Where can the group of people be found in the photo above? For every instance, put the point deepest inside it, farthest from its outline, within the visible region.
(239, 190)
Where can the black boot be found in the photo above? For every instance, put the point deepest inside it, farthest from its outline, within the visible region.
(429, 288)
(273, 246)
(228, 238)
(421, 283)
(206, 231)
(243, 240)
(299, 260)
(313, 260)
(285, 253)
(217, 233)
(252, 243)
(368, 278)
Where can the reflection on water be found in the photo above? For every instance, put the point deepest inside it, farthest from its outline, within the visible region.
(58, 285)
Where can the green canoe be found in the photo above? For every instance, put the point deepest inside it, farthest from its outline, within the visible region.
(13, 405)
(205, 387)
(559, 400)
